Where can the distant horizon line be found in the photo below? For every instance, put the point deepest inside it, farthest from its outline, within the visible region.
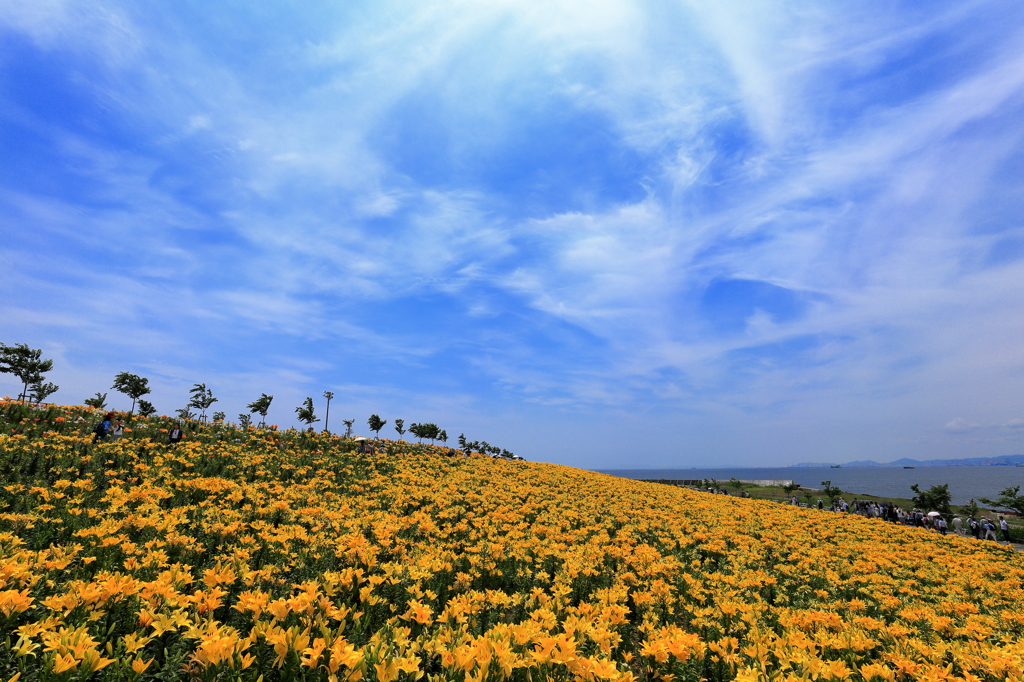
(1006, 460)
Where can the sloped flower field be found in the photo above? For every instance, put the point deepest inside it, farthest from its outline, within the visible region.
(241, 554)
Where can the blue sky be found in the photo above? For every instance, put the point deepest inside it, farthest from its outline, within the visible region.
(607, 235)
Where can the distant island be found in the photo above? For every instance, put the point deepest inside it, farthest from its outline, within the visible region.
(1007, 461)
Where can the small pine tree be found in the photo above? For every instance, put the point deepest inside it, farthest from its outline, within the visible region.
(132, 386)
(832, 492)
(348, 426)
(305, 413)
(400, 427)
(1009, 498)
(202, 399)
(40, 391)
(99, 402)
(376, 424)
(25, 363)
(431, 431)
(261, 406)
(936, 498)
(146, 408)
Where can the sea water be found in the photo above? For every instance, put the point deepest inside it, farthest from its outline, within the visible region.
(965, 483)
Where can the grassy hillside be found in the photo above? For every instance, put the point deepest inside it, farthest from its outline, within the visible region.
(241, 554)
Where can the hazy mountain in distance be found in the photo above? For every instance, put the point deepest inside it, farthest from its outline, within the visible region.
(1008, 460)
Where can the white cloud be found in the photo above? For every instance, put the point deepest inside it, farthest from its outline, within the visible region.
(771, 148)
(961, 425)
(199, 122)
(96, 28)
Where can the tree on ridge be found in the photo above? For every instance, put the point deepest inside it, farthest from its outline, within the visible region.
(40, 390)
(261, 406)
(132, 385)
(376, 424)
(305, 413)
(202, 399)
(25, 363)
(146, 408)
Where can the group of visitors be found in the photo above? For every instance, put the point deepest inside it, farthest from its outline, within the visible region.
(982, 528)
(111, 427)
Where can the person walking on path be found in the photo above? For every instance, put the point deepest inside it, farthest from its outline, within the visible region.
(990, 529)
(175, 435)
(1005, 528)
(102, 429)
(958, 525)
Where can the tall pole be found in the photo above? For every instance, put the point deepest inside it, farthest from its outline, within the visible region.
(327, 418)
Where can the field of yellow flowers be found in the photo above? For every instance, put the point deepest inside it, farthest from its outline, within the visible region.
(248, 554)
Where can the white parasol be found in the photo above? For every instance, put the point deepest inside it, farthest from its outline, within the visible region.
(934, 514)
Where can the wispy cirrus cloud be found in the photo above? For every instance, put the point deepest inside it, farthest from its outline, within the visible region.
(779, 219)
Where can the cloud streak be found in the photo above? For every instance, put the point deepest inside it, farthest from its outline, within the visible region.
(773, 220)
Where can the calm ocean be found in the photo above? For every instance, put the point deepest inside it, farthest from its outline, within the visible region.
(965, 483)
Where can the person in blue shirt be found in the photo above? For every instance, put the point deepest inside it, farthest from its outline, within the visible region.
(102, 429)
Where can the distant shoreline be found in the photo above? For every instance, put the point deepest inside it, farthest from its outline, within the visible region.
(965, 482)
(1009, 461)
(814, 466)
